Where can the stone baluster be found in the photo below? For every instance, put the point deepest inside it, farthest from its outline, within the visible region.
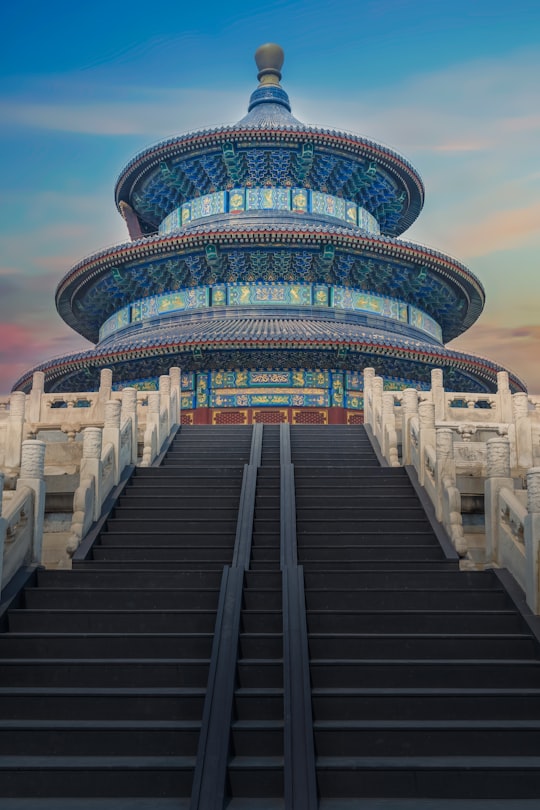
(35, 398)
(129, 411)
(523, 431)
(445, 444)
(377, 388)
(532, 539)
(33, 476)
(369, 374)
(15, 430)
(175, 375)
(448, 503)
(151, 433)
(389, 448)
(438, 394)
(445, 467)
(426, 435)
(111, 434)
(91, 466)
(165, 393)
(104, 392)
(497, 477)
(105, 383)
(112, 414)
(409, 408)
(504, 397)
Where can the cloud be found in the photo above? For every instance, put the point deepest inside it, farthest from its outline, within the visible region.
(515, 348)
(22, 346)
(501, 230)
(153, 112)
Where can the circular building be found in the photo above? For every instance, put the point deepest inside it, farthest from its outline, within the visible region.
(266, 262)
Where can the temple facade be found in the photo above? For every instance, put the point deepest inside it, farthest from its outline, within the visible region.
(266, 261)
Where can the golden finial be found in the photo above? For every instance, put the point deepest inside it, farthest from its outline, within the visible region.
(269, 59)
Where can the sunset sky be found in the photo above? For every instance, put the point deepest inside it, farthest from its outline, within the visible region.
(453, 87)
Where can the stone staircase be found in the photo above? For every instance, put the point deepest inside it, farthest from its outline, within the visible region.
(268, 620)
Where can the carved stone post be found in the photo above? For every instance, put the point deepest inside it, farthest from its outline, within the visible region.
(445, 444)
(129, 411)
(105, 383)
(91, 464)
(504, 397)
(389, 435)
(35, 398)
(369, 374)
(445, 470)
(438, 395)
(111, 434)
(176, 394)
(104, 392)
(426, 435)
(498, 457)
(498, 476)
(532, 539)
(377, 388)
(32, 476)
(15, 430)
(175, 374)
(409, 407)
(152, 432)
(524, 442)
(112, 414)
(165, 393)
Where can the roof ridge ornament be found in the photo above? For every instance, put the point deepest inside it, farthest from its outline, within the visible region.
(269, 59)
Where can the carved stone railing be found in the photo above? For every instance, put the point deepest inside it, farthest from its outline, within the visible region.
(114, 426)
(44, 416)
(21, 521)
(108, 451)
(470, 448)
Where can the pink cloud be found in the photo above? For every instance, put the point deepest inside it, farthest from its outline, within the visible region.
(22, 347)
(500, 230)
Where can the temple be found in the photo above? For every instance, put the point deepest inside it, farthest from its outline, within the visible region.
(266, 261)
(201, 611)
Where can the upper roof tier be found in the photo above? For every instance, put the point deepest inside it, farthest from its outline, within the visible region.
(269, 147)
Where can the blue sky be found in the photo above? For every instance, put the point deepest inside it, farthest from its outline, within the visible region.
(453, 87)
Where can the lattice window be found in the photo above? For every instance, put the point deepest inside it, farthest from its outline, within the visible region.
(229, 418)
(310, 418)
(355, 418)
(269, 417)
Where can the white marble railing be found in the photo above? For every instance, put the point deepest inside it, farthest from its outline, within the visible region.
(118, 429)
(21, 521)
(463, 446)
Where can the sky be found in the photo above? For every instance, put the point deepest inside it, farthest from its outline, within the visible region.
(451, 86)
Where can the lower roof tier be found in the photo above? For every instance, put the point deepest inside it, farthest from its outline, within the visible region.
(270, 252)
(268, 342)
